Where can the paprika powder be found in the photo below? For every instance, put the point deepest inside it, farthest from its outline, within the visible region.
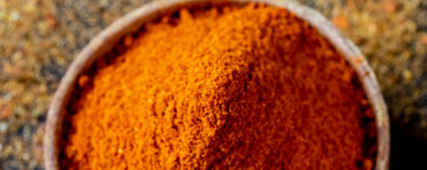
(221, 87)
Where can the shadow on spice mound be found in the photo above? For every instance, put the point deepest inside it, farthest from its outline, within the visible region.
(222, 87)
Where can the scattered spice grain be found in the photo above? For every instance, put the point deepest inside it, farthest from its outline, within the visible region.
(225, 87)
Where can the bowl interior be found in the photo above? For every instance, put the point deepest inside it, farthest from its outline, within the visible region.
(131, 22)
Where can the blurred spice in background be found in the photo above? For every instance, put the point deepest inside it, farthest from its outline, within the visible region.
(39, 39)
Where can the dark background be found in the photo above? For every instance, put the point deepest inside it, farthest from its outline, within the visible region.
(40, 38)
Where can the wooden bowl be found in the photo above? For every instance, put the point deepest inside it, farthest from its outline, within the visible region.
(130, 23)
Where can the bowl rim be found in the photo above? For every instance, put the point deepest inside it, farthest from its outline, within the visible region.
(105, 40)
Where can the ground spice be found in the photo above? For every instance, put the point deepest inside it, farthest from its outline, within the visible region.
(219, 88)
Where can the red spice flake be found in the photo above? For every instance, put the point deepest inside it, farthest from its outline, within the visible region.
(347, 76)
(185, 15)
(350, 4)
(128, 40)
(5, 113)
(358, 60)
(83, 81)
(424, 39)
(390, 6)
(50, 20)
(364, 102)
(367, 164)
(341, 22)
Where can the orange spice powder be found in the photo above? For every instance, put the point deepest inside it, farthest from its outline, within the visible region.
(219, 88)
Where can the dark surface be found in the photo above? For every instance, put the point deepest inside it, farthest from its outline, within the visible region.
(40, 38)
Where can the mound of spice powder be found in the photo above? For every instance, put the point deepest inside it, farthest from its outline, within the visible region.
(218, 88)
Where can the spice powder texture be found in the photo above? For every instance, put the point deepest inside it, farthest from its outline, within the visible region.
(224, 87)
